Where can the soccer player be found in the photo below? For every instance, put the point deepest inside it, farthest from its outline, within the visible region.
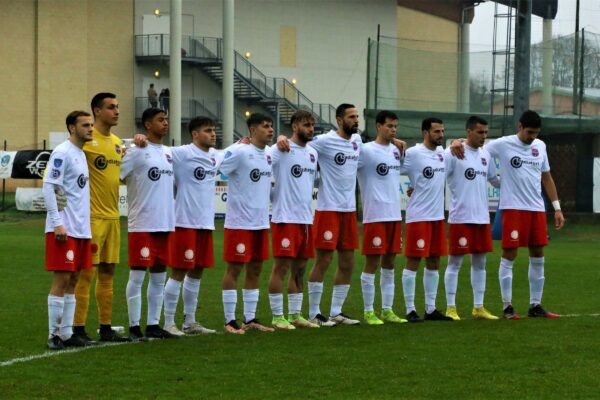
(148, 173)
(195, 167)
(379, 181)
(469, 216)
(291, 223)
(103, 154)
(246, 238)
(524, 168)
(68, 246)
(425, 226)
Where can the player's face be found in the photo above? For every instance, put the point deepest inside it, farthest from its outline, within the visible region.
(476, 136)
(109, 112)
(263, 134)
(387, 130)
(159, 125)
(82, 129)
(436, 134)
(205, 136)
(349, 123)
(528, 135)
(304, 130)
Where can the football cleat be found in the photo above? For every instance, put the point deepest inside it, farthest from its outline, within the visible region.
(233, 327)
(111, 335)
(536, 311)
(76, 341)
(281, 323)
(197, 329)
(413, 317)
(55, 343)
(173, 330)
(509, 313)
(156, 332)
(300, 322)
(435, 315)
(371, 318)
(390, 316)
(254, 324)
(320, 320)
(451, 312)
(136, 335)
(482, 313)
(343, 319)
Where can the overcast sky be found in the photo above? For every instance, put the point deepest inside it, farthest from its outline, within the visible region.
(563, 24)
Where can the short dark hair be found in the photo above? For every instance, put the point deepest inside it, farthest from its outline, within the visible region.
(340, 111)
(150, 113)
(530, 119)
(257, 119)
(98, 99)
(427, 122)
(200, 122)
(302, 115)
(474, 120)
(383, 115)
(74, 115)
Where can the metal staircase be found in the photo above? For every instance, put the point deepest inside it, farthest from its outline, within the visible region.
(278, 95)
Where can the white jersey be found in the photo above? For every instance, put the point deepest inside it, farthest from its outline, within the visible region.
(195, 173)
(467, 181)
(521, 167)
(67, 168)
(294, 173)
(427, 173)
(338, 161)
(148, 173)
(249, 172)
(379, 181)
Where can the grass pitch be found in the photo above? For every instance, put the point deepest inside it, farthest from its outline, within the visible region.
(536, 359)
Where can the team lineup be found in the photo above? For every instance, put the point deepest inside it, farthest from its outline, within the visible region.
(172, 205)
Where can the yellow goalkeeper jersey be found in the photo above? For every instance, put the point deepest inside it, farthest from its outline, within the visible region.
(103, 156)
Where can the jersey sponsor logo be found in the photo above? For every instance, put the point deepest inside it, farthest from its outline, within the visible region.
(483, 161)
(154, 173)
(169, 158)
(118, 149)
(240, 248)
(420, 243)
(534, 152)
(285, 243)
(340, 158)
(82, 180)
(256, 174)
(297, 170)
(377, 241)
(58, 162)
(471, 173)
(517, 162)
(429, 172)
(189, 255)
(382, 169)
(101, 162)
(462, 242)
(70, 256)
(55, 173)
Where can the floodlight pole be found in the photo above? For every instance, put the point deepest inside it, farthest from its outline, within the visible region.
(175, 72)
(522, 59)
(228, 71)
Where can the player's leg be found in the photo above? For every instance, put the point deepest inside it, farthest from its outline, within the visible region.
(281, 266)
(56, 304)
(478, 278)
(66, 325)
(431, 280)
(451, 284)
(296, 294)
(171, 298)
(315, 287)
(191, 292)
(155, 297)
(109, 258)
(367, 283)
(409, 281)
(230, 279)
(512, 234)
(82, 296)
(133, 293)
(536, 283)
(343, 276)
(250, 293)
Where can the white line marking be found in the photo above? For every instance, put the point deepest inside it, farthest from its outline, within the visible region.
(579, 315)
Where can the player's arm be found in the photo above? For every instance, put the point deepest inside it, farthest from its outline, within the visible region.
(457, 148)
(493, 177)
(401, 145)
(130, 162)
(550, 188)
(49, 192)
(283, 143)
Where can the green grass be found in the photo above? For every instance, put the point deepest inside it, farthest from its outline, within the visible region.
(536, 359)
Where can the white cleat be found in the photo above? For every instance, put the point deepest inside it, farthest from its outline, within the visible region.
(320, 320)
(343, 319)
(173, 330)
(197, 329)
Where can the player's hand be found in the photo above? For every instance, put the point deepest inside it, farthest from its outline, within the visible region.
(61, 198)
(457, 149)
(283, 144)
(245, 140)
(559, 219)
(60, 233)
(410, 191)
(140, 140)
(401, 145)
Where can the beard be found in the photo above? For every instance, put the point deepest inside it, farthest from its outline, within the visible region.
(350, 128)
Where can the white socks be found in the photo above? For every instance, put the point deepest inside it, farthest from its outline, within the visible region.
(451, 279)
(155, 294)
(229, 303)
(315, 291)
(340, 292)
(408, 286)
(367, 283)
(295, 303)
(478, 276)
(250, 297)
(66, 326)
(55, 314)
(191, 289)
(386, 281)
(536, 279)
(134, 296)
(276, 301)
(505, 275)
(172, 289)
(430, 284)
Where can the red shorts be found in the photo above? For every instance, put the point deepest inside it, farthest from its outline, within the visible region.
(425, 239)
(523, 229)
(192, 248)
(242, 246)
(292, 240)
(382, 238)
(335, 230)
(149, 249)
(72, 255)
(470, 238)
